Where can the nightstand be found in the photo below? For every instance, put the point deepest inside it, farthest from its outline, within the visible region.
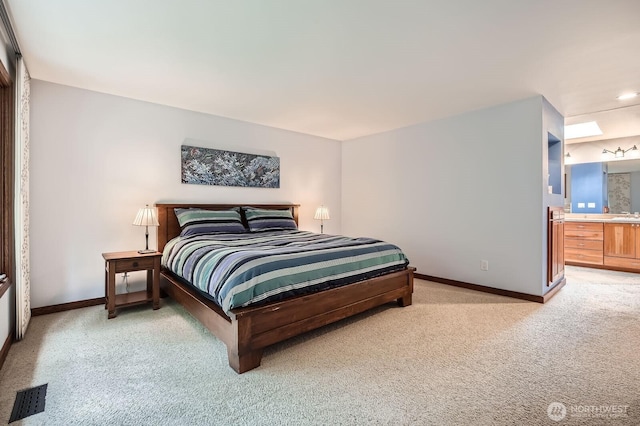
(129, 261)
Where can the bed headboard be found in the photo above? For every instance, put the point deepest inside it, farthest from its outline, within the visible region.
(169, 227)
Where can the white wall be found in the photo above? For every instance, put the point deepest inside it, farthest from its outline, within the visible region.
(455, 191)
(7, 314)
(96, 159)
(6, 53)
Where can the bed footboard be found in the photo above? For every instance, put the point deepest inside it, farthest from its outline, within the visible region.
(249, 330)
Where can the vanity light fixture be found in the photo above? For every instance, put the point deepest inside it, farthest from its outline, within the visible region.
(568, 159)
(626, 96)
(619, 153)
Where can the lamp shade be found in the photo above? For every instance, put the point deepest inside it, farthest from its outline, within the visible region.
(322, 213)
(146, 217)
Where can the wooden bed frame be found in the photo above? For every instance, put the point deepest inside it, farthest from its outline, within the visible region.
(247, 331)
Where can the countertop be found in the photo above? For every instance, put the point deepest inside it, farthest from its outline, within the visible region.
(600, 218)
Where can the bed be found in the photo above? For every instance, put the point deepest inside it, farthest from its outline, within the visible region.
(247, 330)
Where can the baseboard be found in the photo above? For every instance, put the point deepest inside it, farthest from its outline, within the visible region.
(44, 310)
(554, 290)
(5, 349)
(498, 291)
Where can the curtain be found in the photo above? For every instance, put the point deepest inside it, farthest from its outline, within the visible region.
(21, 214)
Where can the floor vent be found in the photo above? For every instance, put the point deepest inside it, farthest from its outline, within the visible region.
(29, 402)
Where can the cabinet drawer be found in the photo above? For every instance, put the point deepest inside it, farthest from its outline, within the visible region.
(593, 257)
(584, 234)
(622, 262)
(583, 244)
(583, 226)
(128, 265)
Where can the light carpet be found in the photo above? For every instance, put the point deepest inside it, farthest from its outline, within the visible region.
(455, 357)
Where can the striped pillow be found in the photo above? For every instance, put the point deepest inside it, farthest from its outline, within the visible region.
(197, 221)
(268, 220)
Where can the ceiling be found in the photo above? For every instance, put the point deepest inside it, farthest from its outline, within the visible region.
(340, 69)
(615, 123)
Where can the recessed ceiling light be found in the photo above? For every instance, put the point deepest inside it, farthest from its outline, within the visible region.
(627, 96)
(582, 130)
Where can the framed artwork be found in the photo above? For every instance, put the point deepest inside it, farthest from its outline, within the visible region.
(206, 166)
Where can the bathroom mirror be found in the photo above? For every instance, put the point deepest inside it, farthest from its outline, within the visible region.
(623, 186)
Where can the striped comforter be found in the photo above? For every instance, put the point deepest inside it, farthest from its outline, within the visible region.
(238, 270)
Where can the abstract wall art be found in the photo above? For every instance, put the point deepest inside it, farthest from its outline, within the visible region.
(207, 166)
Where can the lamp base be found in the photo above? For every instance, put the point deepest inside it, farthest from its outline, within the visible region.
(146, 251)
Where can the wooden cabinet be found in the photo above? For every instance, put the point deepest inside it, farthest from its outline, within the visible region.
(622, 245)
(130, 261)
(583, 243)
(555, 249)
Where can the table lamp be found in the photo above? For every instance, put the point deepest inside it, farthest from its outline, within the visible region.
(322, 214)
(146, 217)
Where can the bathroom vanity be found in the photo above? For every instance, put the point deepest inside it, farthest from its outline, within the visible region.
(603, 241)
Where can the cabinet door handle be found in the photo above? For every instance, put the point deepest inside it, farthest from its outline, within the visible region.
(135, 264)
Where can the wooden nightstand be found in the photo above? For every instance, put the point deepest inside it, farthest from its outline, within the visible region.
(129, 261)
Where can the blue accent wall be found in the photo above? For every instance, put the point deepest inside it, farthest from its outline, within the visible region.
(588, 185)
(555, 164)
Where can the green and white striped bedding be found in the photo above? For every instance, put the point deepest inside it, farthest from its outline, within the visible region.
(238, 270)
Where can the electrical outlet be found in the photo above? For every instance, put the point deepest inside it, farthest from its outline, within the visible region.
(484, 265)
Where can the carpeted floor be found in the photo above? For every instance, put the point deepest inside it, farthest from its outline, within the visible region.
(455, 357)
